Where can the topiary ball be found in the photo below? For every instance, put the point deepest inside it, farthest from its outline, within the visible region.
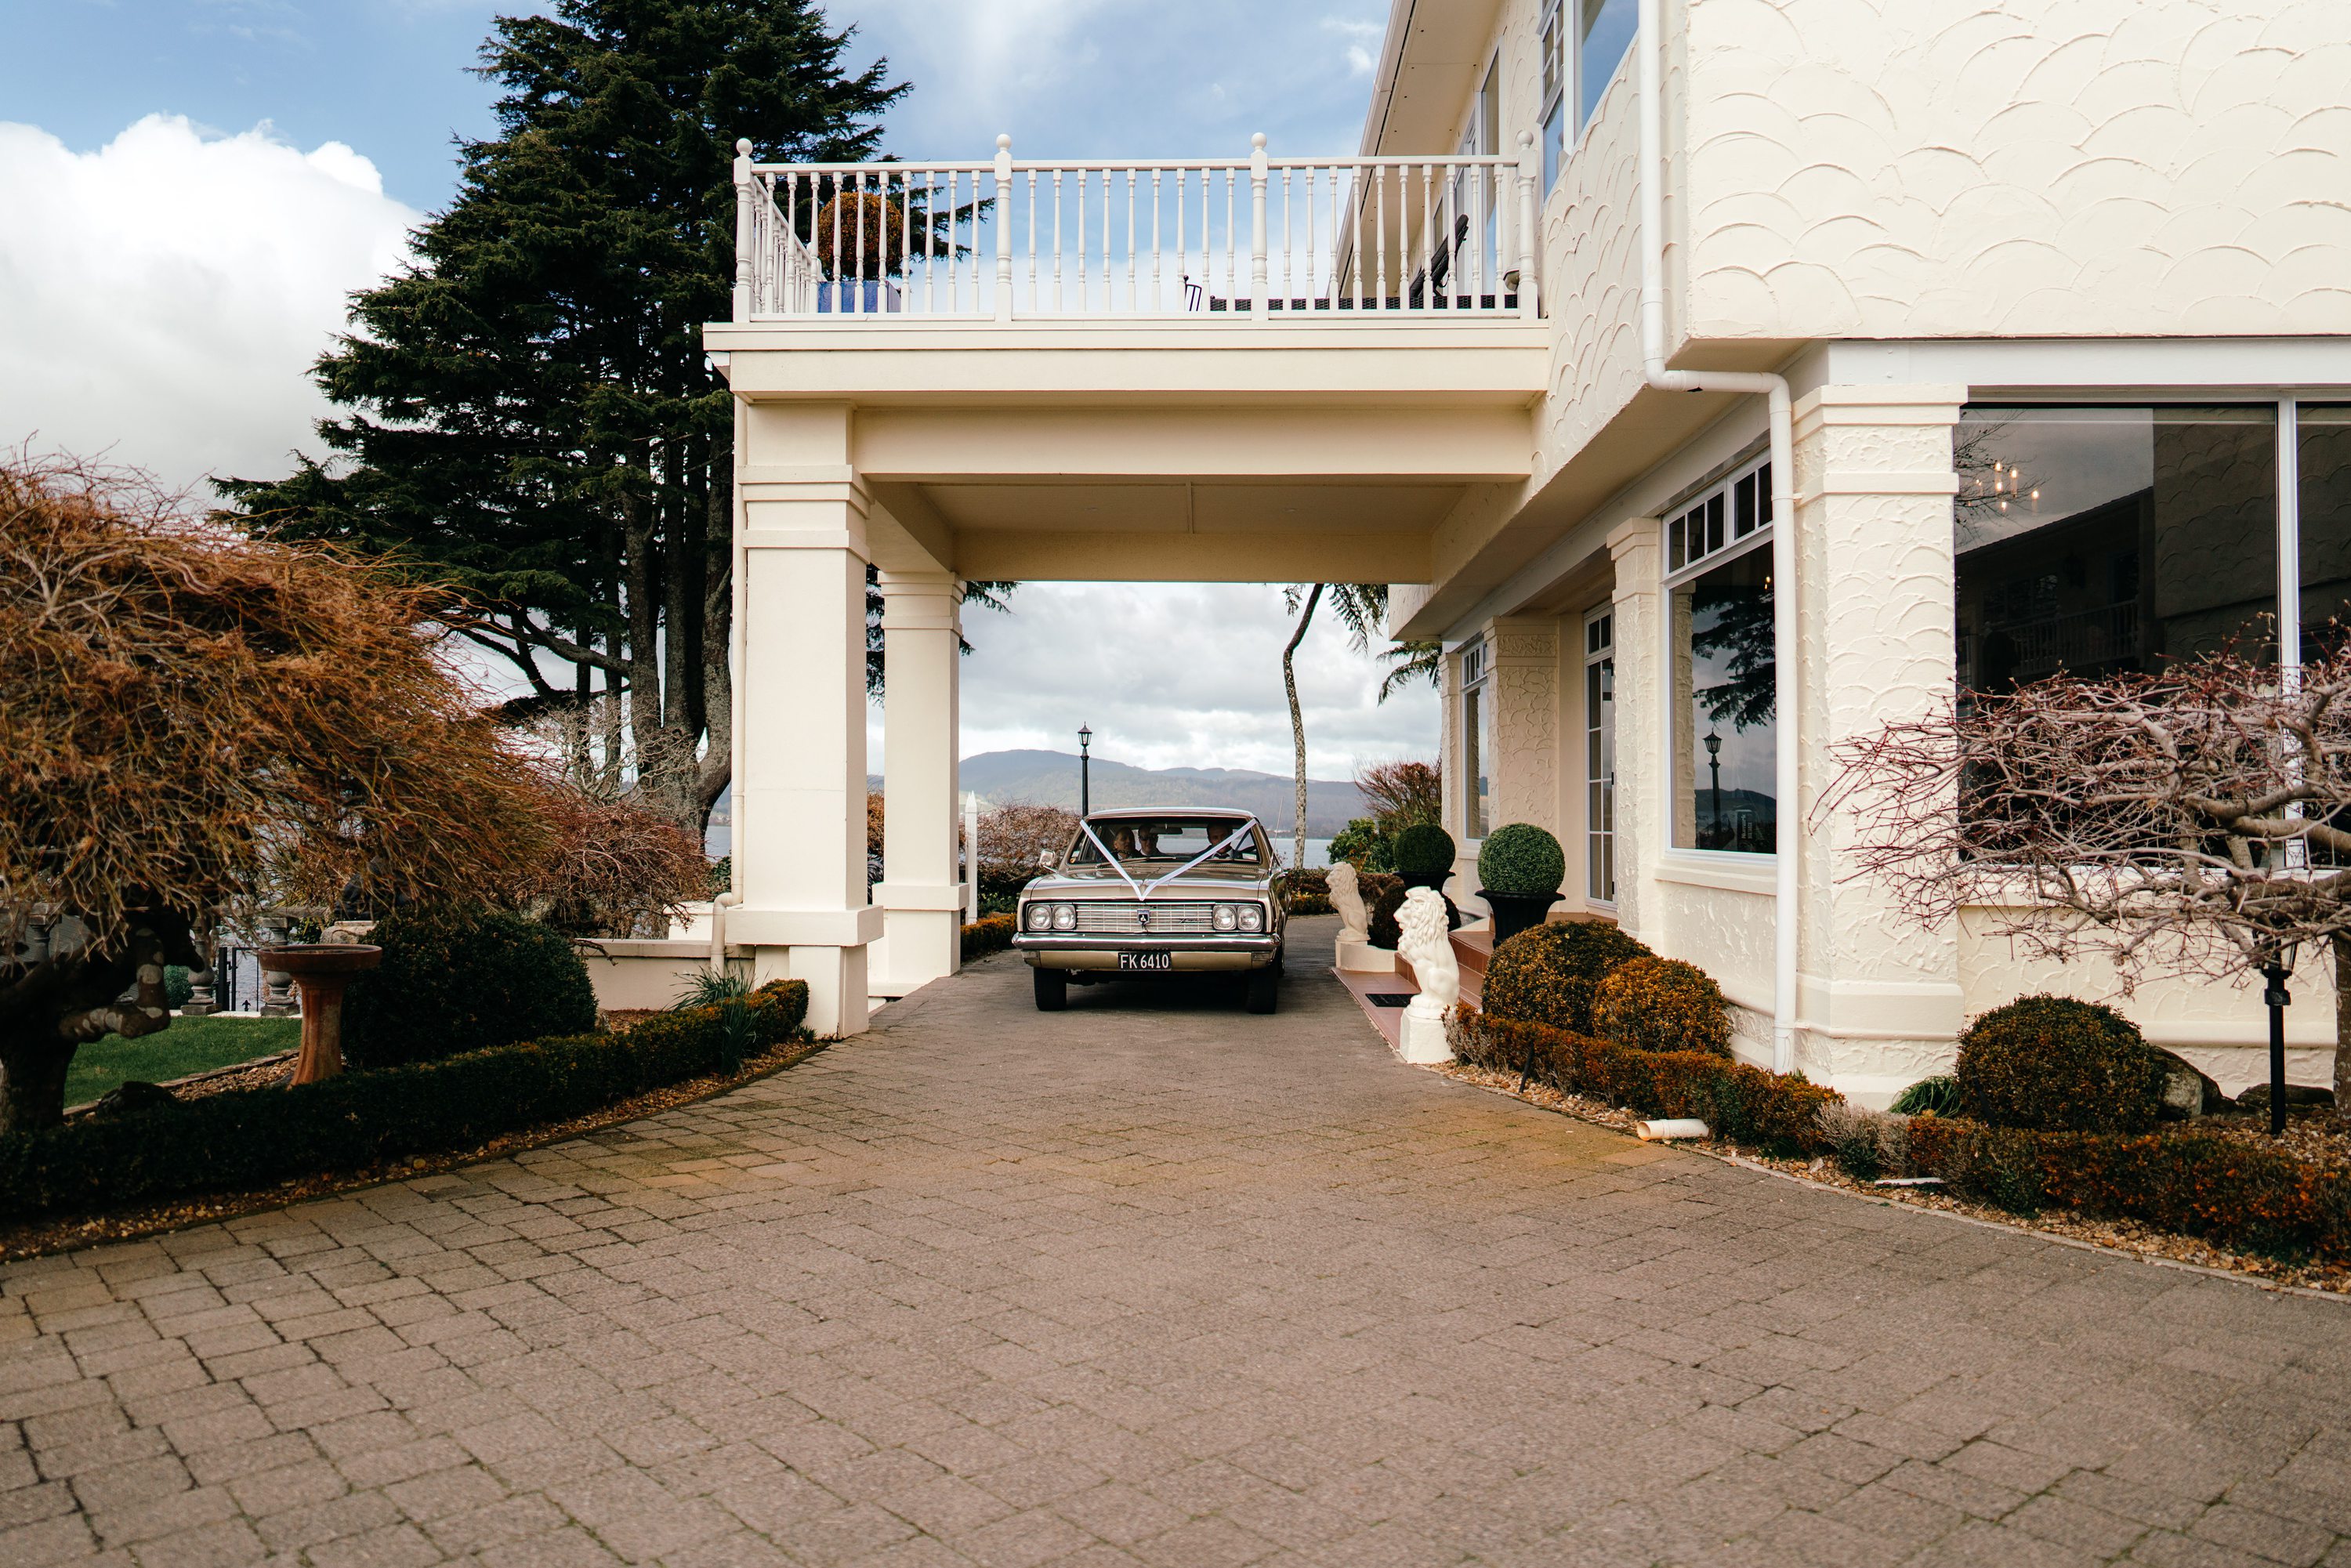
(458, 977)
(1547, 974)
(1521, 858)
(1661, 1004)
(1423, 855)
(2057, 1065)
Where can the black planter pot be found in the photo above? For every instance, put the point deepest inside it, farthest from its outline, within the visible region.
(1516, 912)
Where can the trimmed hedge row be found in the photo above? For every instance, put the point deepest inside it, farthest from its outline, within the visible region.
(988, 934)
(2194, 1184)
(1778, 1111)
(258, 1137)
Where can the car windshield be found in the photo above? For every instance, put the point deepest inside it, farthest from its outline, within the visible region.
(1169, 838)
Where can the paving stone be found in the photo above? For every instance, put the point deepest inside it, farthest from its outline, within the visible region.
(1153, 1281)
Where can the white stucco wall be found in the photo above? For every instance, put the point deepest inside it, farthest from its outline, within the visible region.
(2064, 168)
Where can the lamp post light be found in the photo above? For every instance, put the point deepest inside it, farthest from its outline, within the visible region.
(1085, 772)
(2280, 966)
(1714, 765)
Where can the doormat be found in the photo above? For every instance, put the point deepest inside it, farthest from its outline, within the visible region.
(1388, 998)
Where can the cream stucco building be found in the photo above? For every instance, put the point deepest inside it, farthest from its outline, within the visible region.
(1716, 378)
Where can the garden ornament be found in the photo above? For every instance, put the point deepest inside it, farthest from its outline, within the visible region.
(1347, 898)
(1426, 944)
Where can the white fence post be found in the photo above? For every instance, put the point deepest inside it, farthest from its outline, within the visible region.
(1529, 223)
(743, 222)
(1004, 228)
(971, 853)
(1257, 228)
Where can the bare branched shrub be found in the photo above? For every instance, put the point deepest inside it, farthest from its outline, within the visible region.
(1017, 837)
(609, 868)
(2193, 823)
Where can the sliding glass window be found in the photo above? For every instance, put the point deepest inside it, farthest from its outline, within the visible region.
(2099, 540)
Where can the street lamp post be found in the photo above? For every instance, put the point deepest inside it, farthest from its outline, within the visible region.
(1085, 772)
(1714, 765)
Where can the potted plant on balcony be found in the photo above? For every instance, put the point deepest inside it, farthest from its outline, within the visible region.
(1521, 867)
(861, 241)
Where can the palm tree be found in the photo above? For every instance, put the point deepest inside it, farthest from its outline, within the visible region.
(1410, 662)
(1363, 609)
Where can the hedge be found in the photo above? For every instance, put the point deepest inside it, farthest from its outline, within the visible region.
(1778, 1111)
(258, 1137)
(2195, 1184)
(988, 934)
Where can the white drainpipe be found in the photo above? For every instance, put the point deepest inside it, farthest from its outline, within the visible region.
(1649, 48)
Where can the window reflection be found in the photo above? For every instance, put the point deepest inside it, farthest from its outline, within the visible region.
(2097, 540)
(1724, 773)
(2324, 459)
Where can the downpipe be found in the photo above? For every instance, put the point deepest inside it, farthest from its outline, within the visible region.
(1649, 48)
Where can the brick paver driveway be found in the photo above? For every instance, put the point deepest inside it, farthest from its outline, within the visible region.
(1158, 1283)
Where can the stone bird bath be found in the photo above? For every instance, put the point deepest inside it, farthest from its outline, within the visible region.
(320, 971)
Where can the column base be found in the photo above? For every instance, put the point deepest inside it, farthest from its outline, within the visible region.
(836, 980)
(917, 946)
(1420, 1038)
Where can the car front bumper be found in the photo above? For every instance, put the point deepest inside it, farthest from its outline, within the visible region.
(1200, 954)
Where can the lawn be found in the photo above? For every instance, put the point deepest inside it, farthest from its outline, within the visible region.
(189, 1045)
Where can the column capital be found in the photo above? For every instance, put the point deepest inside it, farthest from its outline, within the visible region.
(1924, 402)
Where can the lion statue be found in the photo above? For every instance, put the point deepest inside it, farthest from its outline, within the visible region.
(1426, 944)
(1347, 898)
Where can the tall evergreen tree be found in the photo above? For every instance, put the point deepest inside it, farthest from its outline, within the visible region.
(529, 411)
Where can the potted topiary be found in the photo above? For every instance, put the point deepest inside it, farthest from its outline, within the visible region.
(1423, 858)
(1522, 866)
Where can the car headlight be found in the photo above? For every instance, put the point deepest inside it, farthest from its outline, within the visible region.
(1252, 916)
(1040, 916)
(1225, 917)
(1065, 917)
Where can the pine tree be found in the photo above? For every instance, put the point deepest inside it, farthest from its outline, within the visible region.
(529, 416)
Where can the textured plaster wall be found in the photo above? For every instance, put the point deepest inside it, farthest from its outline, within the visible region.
(1527, 737)
(1917, 168)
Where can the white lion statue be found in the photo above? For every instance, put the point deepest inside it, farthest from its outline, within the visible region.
(1347, 898)
(1426, 944)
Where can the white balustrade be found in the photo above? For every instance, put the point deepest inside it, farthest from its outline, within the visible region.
(1272, 238)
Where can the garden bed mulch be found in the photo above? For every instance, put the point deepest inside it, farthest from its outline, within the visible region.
(2323, 1135)
(36, 1238)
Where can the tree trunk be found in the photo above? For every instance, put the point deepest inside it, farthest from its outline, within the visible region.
(1298, 723)
(717, 630)
(33, 1082)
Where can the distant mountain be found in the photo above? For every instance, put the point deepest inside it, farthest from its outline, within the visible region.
(1050, 778)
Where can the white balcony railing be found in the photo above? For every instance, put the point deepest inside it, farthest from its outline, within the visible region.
(1270, 238)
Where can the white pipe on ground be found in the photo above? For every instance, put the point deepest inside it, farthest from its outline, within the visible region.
(1649, 48)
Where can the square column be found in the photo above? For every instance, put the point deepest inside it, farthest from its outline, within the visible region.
(799, 783)
(1878, 995)
(922, 896)
(1636, 547)
(1525, 685)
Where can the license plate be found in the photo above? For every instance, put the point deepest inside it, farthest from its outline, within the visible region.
(1146, 960)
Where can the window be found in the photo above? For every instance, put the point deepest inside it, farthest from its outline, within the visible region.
(1601, 42)
(1551, 42)
(1600, 756)
(2323, 506)
(1476, 742)
(2098, 540)
(1725, 758)
(1135, 839)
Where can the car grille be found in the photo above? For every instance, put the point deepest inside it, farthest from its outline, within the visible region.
(1124, 917)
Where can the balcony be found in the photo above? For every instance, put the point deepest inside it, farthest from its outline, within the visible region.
(1324, 242)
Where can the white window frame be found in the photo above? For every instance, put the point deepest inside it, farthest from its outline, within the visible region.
(1599, 843)
(1719, 499)
(1477, 677)
(1551, 89)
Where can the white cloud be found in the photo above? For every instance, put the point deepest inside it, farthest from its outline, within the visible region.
(1176, 674)
(161, 298)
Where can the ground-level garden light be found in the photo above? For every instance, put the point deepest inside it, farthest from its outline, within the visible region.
(2276, 972)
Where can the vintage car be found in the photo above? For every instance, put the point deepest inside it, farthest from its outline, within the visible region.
(1143, 892)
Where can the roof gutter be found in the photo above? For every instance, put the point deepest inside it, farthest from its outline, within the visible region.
(1649, 46)
(1383, 85)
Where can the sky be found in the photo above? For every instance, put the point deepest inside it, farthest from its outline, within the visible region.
(193, 187)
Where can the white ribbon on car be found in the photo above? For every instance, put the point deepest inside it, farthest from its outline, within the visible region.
(1142, 894)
